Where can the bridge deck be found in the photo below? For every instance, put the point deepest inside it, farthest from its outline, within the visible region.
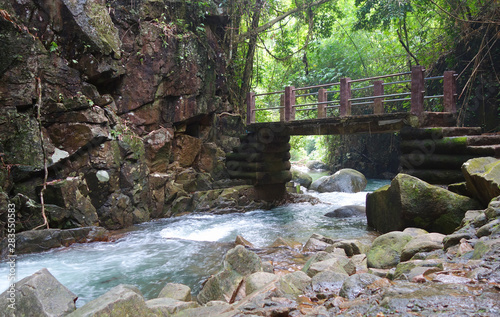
(374, 123)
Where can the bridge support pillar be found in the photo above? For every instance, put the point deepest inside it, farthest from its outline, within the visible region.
(262, 157)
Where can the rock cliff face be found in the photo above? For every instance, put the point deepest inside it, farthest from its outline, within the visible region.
(122, 101)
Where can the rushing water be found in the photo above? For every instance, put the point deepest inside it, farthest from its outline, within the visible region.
(185, 249)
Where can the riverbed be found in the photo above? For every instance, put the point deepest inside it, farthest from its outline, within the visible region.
(189, 248)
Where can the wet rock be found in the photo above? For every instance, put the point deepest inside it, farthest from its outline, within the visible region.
(336, 263)
(483, 178)
(449, 299)
(455, 238)
(243, 261)
(166, 306)
(414, 232)
(484, 247)
(410, 202)
(328, 282)
(488, 228)
(121, 300)
(493, 210)
(301, 178)
(386, 249)
(408, 270)
(347, 211)
(220, 287)
(285, 242)
(258, 280)
(45, 239)
(316, 165)
(356, 284)
(423, 243)
(294, 283)
(179, 292)
(211, 309)
(346, 180)
(242, 241)
(351, 247)
(314, 245)
(39, 293)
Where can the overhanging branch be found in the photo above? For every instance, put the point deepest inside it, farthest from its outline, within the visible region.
(242, 37)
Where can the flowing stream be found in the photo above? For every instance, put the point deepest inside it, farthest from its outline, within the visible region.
(186, 249)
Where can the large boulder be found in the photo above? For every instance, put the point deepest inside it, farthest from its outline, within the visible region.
(300, 177)
(346, 180)
(482, 176)
(39, 294)
(122, 300)
(411, 202)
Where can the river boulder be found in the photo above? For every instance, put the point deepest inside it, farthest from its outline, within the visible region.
(176, 291)
(121, 300)
(357, 284)
(422, 243)
(386, 250)
(225, 285)
(345, 180)
(482, 177)
(347, 212)
(301, 178)
(39, 293)
(411, 202)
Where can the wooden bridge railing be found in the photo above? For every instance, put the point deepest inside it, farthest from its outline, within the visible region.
(345, 101)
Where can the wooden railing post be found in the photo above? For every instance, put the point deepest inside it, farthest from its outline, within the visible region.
(322, 97)
(250, 107)
(417, 89)
(289, 103)
(378, 90)
(282, 110)
(449, 92)
(345, 95)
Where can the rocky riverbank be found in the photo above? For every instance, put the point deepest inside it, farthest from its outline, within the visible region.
(400, 273)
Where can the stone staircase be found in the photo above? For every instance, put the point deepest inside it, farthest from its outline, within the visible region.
(436, 155)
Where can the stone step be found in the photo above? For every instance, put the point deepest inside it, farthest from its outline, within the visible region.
(484, 150)
(409, 133)
(484, 139)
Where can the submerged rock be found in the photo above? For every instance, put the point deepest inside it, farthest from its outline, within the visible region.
(39, 294)
(346, 180)
(410, 202)
(347, 211)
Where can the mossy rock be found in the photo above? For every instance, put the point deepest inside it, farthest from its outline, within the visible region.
(386, 249)
(411, 202)
(483, 178)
